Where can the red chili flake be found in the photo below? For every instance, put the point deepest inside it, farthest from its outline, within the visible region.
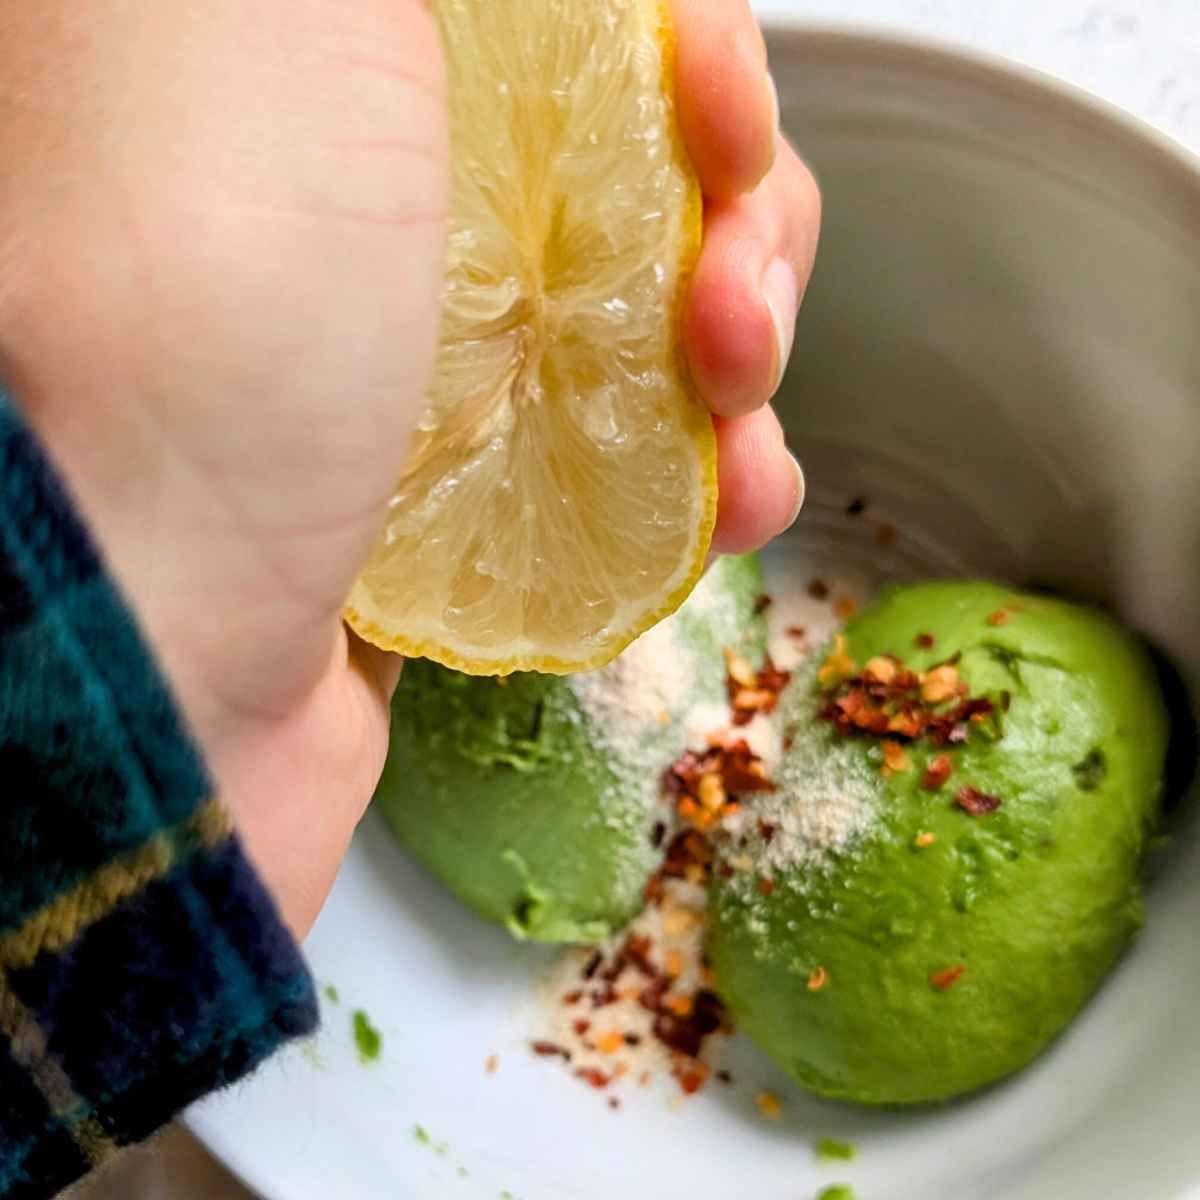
(906, 725)
(945, 979)
(551, 1050)
(688, 851)
(938, 771)
(844, 608)
(692, 779)
(581, 1027)
(573, 997)
(752, 692)
(651, 998)
(886, 535)
(686, 1035)
(971, 710)
(637, 951)
(682, 777)
(594, 1076)
(593, 965)
(999, 617)
(767, 831)
(742, 771)
(978, 804)
(799, 632)
(818, 589)
(766, 886)
(604, 996)
(762, 604)
(692, 1076)
(634, 953)
(941, 684)
(771, 678)
(925, 641)
(895, 760)
(492, 1064)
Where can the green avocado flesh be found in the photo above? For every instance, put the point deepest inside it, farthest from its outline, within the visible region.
(534, 799)
(1036, 900)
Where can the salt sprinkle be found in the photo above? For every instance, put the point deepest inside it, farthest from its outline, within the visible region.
(827, 793)
(675, 932)
(638, 705)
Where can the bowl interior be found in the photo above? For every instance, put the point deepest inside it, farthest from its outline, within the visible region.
(999, 352)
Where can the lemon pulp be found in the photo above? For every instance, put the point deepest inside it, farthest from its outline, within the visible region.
(560, 491)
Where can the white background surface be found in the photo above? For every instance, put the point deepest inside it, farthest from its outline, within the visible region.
(1143, 55)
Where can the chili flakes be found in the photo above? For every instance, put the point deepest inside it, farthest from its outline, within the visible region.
(937, 772)
(945, 979)
(976, 803)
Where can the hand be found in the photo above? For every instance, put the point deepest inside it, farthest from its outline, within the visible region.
(762, 221)
(221, 231)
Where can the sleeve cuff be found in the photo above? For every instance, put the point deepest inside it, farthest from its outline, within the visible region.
(142, 963)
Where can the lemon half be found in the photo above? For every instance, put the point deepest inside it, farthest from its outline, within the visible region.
(560, 492)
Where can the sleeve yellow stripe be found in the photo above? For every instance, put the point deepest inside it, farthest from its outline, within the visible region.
(63, 920)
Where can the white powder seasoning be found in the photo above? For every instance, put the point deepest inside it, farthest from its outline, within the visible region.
(632, 708)
(643, 687)
(638, 705)
(674, 933)
(826, 801)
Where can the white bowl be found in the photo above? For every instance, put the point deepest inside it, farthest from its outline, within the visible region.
(1002, 350)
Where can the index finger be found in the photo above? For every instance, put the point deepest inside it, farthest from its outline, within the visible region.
(728, 109)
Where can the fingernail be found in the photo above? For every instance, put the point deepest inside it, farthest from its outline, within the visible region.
(782, 294)
(775, 102)
(801, 491)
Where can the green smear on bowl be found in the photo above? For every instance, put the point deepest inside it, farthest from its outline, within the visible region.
(367, 1038)
(831, 1150)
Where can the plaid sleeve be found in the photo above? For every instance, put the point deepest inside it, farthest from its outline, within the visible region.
(141, 962)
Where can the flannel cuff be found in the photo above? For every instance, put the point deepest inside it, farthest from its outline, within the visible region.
(142, 964)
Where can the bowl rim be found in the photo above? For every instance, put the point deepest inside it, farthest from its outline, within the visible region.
(1008, 79)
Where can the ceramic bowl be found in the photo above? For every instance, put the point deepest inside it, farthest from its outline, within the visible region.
(1001, 349)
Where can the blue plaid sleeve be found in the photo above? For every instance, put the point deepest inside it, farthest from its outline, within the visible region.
(141, 962)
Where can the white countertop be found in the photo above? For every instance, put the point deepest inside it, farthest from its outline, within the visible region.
(1143, 55)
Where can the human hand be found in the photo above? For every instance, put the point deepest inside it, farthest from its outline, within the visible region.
(221, 230)
(762, 219)
(222, 237)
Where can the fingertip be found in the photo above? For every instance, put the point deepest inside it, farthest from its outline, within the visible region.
(727, 102)
(762, 484)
